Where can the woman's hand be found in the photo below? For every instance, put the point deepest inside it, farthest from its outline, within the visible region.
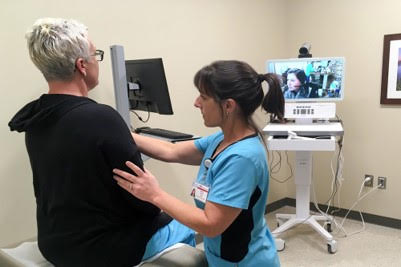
(211, 221)
(144, 186)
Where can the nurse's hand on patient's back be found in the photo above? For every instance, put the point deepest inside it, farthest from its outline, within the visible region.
(144, 186)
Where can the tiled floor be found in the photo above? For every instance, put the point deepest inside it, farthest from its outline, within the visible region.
(375, 246)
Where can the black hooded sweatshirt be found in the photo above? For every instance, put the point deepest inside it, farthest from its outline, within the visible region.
(84, 218)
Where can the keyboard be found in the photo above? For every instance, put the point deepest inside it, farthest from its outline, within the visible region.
(164, 133)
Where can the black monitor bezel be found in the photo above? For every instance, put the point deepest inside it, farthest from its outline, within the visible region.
(153, 94)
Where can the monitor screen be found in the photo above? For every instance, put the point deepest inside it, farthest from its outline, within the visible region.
(152, 95)
(310, 79)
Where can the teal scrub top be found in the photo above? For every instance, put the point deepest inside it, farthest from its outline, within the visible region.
(238, 177)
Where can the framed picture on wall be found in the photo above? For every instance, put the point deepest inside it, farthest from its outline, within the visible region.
(391, 70)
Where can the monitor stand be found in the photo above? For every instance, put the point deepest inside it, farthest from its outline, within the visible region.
(304, 147)
(120, 82)
(303, 177)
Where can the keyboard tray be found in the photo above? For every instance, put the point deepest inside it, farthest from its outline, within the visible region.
(164, 133)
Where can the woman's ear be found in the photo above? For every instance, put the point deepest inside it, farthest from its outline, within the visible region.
(80, 65)
(230, 105)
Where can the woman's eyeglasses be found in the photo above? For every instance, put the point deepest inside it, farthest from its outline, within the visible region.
(98, 55)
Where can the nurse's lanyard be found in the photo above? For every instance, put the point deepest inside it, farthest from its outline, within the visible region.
(200, 189)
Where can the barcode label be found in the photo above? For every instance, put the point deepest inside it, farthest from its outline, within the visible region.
(303, 111)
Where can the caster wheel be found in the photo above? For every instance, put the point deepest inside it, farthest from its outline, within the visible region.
(332, 246)
(328, 227)
(280, 244)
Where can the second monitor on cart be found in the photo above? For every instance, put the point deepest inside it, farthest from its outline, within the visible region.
(311, 86)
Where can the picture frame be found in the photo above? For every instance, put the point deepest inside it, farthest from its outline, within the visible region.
(391, 70)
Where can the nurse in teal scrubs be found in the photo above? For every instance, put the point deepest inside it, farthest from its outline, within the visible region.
(231, 187)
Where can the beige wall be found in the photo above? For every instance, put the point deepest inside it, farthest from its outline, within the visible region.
(355, 29)
(188, 34)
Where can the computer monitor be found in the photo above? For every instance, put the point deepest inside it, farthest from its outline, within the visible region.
(310, 79)
(147, 86)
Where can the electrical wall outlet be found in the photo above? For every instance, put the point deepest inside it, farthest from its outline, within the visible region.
(369, 182)
(382, 182)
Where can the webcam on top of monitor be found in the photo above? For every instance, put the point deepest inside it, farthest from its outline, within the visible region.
(304, 50)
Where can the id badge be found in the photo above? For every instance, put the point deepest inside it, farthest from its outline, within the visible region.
(199, 192)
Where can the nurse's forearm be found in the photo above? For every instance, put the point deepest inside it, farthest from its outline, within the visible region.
(210, 222)
(184, 152)
(153, 147)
